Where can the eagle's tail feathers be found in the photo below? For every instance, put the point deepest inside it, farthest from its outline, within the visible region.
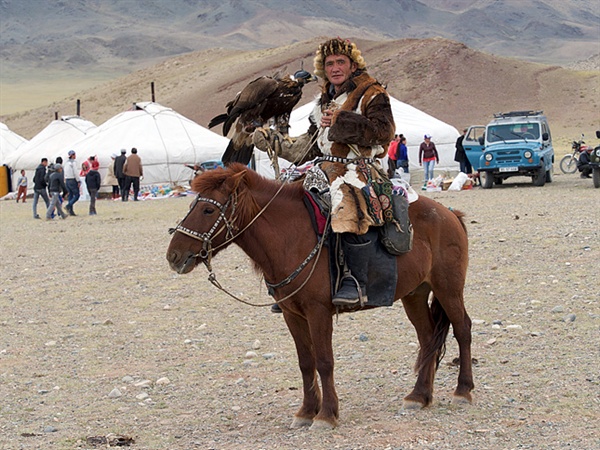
(242, 155)
(217, 120)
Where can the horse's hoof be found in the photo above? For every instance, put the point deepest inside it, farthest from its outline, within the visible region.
(300, 422)
(322, 425)
(411, 405)
(460, 400)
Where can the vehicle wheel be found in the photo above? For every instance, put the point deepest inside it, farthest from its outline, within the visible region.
(596, 177)
(539, 179)
(487, 180)
(568, 164)
(549, 176)
(499, 181)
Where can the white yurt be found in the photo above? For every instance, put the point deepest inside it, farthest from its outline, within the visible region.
(411, 122)
(165, 140)
(48, 143)
(9, 143)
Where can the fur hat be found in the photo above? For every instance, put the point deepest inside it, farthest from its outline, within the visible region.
(337, 46)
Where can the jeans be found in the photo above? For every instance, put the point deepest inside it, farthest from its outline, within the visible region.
(404, 164)
(55, 203)
(465, 167)
(37, 193)
(73, 190)
(429, 166)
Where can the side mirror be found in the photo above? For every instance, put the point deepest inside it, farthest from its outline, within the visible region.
(545, 136)
(481, 141)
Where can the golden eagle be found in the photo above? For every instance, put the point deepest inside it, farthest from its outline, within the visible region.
(261, 100)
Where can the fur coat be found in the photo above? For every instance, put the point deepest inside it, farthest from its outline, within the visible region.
(362, 127)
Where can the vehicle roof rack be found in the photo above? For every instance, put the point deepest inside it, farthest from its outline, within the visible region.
(518, 114)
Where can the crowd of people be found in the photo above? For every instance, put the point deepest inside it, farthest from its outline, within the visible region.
(57, 183)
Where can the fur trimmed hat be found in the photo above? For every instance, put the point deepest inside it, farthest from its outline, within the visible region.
(337, 46)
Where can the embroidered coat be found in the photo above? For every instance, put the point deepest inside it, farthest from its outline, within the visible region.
(362, 127)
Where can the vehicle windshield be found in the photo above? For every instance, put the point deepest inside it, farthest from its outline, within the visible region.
(513, 131)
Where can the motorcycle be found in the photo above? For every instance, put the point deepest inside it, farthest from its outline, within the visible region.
(568, 163)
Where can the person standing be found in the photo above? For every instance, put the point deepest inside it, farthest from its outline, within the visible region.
(460, 156)
(22, 184)
(402, 154)
(428, 156)
(393, 156)
(56, 185)
(120, 174)
(40, 186)
(72, 181)
(133, 171)
(111, 179)
(93, 182)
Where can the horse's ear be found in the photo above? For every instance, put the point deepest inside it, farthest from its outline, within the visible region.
(238, 178)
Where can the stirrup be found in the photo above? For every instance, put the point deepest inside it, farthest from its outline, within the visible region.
(349, 294)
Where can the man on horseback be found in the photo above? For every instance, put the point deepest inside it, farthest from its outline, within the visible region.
(351, 125)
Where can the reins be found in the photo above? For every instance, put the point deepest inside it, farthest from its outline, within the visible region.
(228, 223)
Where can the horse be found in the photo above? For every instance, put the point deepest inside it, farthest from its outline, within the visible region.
(267, 219)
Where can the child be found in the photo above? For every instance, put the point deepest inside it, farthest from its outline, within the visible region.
(93, 182)
(22, 183)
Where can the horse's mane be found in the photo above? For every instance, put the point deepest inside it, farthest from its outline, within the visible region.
(248, 184)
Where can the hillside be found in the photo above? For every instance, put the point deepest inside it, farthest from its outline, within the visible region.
(444, 78)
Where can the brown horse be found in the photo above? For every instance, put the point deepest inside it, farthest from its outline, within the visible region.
(269, 222)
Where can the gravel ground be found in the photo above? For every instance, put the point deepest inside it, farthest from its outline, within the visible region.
(98, 337)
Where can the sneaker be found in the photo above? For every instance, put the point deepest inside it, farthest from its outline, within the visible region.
(276, 309)
(36, 216)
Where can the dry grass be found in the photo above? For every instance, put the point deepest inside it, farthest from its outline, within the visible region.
(88, 301)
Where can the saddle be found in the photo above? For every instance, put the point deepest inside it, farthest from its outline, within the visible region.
(392, 239)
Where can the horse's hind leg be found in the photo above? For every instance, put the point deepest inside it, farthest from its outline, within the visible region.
(417, 310)
(311, 403)
(461, 326)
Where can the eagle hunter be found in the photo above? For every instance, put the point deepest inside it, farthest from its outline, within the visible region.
(261, 100)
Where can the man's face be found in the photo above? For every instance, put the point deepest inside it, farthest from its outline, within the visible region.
(338, 69)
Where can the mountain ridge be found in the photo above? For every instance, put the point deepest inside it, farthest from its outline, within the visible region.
(444, 78)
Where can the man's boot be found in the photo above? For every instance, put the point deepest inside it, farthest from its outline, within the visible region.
(357, 251)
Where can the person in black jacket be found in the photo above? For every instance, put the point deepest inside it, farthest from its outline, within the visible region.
(55, 186)
(583, 165)
(93, 182)
(461, 156)
(120, 172)
(40, 186)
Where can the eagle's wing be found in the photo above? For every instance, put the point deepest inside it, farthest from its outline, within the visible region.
(252, 98)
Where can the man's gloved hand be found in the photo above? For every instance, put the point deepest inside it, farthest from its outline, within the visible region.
(265, 139)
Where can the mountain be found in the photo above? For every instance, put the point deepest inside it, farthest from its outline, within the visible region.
(445, 78)
(118, 35)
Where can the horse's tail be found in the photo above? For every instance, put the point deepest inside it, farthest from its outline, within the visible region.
(461, 218)
(436, 348)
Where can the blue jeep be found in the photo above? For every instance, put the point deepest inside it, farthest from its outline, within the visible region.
(517, 143)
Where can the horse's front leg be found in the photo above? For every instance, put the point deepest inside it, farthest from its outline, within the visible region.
(321, 330)
(311, 402)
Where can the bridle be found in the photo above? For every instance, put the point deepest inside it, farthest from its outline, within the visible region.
(205, 254)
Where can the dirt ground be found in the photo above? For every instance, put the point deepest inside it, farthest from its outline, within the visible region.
(98, 337)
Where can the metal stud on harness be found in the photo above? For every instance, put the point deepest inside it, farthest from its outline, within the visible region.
(206, 238)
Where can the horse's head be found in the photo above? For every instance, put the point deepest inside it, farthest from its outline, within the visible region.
(212, 220)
